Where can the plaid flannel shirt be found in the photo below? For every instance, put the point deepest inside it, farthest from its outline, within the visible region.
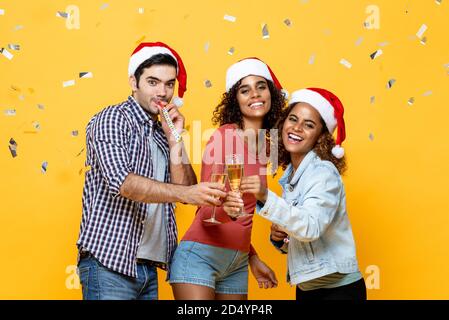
(118, 143)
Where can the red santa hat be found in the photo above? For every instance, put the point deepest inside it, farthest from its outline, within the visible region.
(251, 66)
(146, 50)
(331, 110)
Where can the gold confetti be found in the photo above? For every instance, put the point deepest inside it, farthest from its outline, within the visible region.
(288, 22)
(140, 39)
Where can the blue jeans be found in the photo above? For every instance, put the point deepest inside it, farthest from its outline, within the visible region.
(101, 283)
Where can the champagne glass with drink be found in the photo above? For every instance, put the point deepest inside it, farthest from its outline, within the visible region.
(234, 165)
(218, 174)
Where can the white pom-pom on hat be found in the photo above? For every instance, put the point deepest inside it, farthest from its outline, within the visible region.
(338, 152)
(177, 101)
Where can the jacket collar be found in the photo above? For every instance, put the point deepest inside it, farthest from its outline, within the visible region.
(298, 173)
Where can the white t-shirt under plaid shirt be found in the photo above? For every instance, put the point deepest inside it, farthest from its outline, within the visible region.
(118, 143)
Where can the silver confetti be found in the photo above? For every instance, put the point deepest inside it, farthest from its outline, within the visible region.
(411, 101)
(10, 112)
(41, 106)
(390, 83)
(75, 133)
(44, 167)
(423, 40)
(384, 44)
(287, 22)
(371, 136)
(438, 1)
(229, 18)
(312, 59)
(18, 27)
(375, 54)
(13, 147)
(359, 41)
(68, 83)
(62, 14)
(104, 6)
(265, 34)
(346, 63)
(14, 47)
(2, 12)
(86, 75)
(21, 97)
(427, 93)
(372, 99)
(208, 84)
(141, 10)
(206, 46)
(6, 53)
(231, 51)
(421, 31)
(36, 125)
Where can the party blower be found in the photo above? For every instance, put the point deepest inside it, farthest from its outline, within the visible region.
(171, 126)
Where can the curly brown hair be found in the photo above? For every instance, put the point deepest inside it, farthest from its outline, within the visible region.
(228, 110)
(323, 147)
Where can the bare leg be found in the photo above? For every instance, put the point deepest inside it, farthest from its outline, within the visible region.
(187, 291)
(222, 296)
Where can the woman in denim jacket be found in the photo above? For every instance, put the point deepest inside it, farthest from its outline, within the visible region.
(310, 221)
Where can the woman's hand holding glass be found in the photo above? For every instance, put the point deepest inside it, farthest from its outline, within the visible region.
(253, 184)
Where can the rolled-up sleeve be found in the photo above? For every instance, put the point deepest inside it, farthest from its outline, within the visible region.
(110, 141)
(309, 220)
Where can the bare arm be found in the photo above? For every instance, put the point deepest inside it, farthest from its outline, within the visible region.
(141, 189)
(181, 171)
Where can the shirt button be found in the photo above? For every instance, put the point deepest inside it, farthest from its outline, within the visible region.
(290, 188)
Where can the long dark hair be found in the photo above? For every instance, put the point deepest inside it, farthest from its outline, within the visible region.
(228, 110)
(323, 147)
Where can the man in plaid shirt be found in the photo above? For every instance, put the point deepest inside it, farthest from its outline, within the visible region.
(138, 170)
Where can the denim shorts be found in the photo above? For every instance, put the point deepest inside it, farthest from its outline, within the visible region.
(224, 270)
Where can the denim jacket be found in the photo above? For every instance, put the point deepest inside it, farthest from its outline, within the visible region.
(312, 211)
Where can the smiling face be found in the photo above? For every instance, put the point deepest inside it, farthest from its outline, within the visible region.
(301, 131)
(254, 97)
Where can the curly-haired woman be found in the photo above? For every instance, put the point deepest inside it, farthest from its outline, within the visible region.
(310, 220)
(212, 260)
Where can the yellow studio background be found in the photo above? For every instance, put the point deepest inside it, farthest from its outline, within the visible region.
(398, 154)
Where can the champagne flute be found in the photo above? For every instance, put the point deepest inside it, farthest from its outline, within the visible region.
(218, 174)
(234, 165)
